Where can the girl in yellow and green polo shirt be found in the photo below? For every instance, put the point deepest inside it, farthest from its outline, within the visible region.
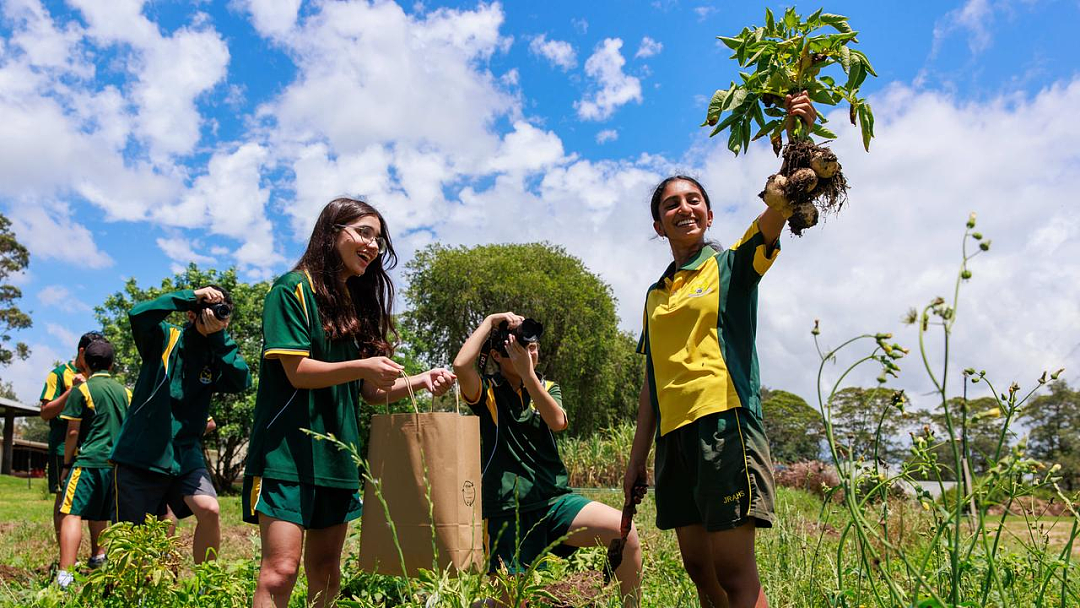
(700, 398)
(327, 328)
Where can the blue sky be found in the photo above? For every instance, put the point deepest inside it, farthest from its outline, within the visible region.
(138, 136)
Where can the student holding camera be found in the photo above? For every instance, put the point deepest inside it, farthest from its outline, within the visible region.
(158, 455)
(526, 498)
(93, 413)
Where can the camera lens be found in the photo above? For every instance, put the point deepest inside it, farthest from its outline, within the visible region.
(221, 311)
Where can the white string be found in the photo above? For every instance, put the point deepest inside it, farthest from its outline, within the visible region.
(283, 408)
(139, 407)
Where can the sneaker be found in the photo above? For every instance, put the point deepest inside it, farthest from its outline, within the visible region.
(96, 562)
(64, 579)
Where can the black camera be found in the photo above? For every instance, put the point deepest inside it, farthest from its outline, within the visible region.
(528, 332)
(221, 310)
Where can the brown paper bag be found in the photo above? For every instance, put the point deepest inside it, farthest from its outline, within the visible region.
(401, 446)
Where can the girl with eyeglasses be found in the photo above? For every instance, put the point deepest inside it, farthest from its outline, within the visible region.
(328, 337)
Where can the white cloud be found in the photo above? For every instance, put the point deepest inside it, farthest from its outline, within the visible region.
(182, 251)
(648, 48)
(28, 377)
(63, 335)
(581, 25)
(974, 17)
(58, 296)
(607, 135)
(169, 71)
(616, 88)
(273, 17)
(52, 234)
(703, 12)
(558, 52)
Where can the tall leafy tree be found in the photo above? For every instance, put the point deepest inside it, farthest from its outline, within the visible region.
(231, 412)
(14, 258)
(794, 429)
(867, 423)
(452, 289)
(1055, 430)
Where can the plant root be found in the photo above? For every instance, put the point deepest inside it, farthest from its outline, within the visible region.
(810, 200)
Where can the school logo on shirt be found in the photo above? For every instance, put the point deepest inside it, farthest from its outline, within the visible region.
(699, 292)
(207, 376)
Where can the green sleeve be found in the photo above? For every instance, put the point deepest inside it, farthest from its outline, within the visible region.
(74, 406)
(54, 386)
(286, 330)
(146, 319)
(556, 393)
(480, 406)
(750, 258)
(234, 375)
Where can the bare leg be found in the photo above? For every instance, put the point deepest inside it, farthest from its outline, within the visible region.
(697, 559)
(598, 524)
(96, 528)
(282, 545)
(322, 563)
(70, 537)
(736, 567)
(57, 516)
(208, 529)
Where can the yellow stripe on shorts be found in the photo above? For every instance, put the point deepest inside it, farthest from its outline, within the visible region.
(256, 493)
(69, 493)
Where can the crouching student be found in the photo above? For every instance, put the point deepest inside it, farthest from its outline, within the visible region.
(527, 502)
(94, 412)
(158, 455)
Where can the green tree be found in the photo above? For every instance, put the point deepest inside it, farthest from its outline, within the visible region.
(867, 423)
(1055, 430)
(452, 289)
(14, 258)
(978, 427)
(794, 429)
(232, 413)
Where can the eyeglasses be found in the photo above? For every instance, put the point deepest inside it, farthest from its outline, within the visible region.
(366, 235)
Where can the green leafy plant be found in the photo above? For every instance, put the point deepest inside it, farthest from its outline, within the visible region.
(787, 56)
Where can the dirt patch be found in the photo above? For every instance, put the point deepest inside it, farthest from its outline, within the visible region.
(18, 576)
(576, 589)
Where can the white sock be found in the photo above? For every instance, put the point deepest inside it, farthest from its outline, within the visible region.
(64, 578)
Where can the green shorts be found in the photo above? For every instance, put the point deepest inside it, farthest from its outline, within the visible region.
(88, 493)
(715, 471)
(55, 464)
(304, 504)
(540, 528)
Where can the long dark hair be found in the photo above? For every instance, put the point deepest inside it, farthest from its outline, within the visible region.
(658, 193)
(364, 313)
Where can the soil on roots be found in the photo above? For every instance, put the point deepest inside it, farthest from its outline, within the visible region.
(827, 197)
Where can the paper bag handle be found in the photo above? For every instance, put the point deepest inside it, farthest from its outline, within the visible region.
(412, 395)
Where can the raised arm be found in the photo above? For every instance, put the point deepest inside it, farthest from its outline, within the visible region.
(546, 404)
(235, 376)
(146, 318)
(468, 376)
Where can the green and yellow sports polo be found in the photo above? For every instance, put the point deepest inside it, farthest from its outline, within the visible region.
(280, 449)
(699, 334)
(100, 404)
(522, 469)
(57, 383)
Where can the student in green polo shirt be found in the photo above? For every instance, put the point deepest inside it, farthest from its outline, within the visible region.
(54, 395)
(526, 500)
(700, 399)
(327, 331)
(93, 413)
(158, 455)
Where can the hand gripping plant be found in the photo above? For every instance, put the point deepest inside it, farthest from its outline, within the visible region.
(788, 57)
